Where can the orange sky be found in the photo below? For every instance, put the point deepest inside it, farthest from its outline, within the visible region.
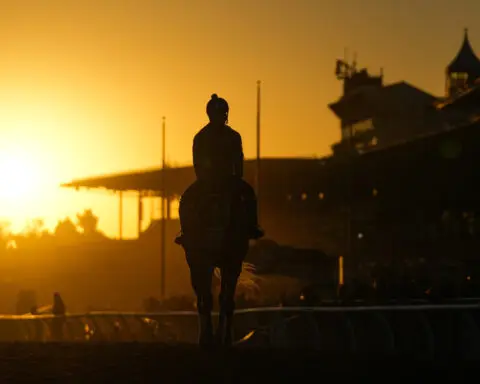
(84, 84)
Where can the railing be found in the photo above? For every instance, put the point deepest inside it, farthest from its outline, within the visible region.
(421, 330)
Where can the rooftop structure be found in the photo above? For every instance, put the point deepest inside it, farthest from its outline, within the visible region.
(463, 71)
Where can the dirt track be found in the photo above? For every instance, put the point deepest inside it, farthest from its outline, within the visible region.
(148, 362)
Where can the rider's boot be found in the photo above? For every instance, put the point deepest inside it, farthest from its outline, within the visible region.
(205, 326)
(179, 238)
(256, 232)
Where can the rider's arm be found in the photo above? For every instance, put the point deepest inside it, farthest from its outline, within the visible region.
(238, 156)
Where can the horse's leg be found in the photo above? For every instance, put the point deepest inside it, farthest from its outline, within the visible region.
(205, 306)
(201, 279)
(220, 333)
(230, 274)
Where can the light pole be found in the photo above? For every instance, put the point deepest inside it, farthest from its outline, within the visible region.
(163, 222)
(257, 170)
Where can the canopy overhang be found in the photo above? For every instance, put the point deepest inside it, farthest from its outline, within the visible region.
(278, 172)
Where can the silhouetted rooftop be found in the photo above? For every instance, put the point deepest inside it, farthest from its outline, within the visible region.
(373, 95)
(274, 170)
(466, 59)
(469, 95)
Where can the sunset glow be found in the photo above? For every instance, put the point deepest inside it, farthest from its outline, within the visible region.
(84, 84)
(26, 183)
(21, 176)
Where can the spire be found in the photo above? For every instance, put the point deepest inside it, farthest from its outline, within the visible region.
(466, 60)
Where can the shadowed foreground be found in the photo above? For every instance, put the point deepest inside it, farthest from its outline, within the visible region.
(142, 362)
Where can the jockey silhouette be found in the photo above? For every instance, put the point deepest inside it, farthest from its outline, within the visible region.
(218, 155)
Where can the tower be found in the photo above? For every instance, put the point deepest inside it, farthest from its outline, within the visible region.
(462, 72)
(356, 107)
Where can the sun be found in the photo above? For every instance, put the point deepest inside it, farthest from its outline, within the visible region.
(20, 176)
(28, 184)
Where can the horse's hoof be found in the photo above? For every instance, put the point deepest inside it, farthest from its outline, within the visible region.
(228, 341)
(206, 341)
(223, 338)
(207, 346)
(218, 339)
(205, 336)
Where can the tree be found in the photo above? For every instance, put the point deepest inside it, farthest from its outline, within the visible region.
(65, 229)
(34, 228)
(88, 222)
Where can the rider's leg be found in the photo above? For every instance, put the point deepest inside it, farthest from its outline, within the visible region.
(201, 279)
(189, 197)
(251, 204)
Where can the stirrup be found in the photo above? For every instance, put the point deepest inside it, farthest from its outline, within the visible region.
(257, 233)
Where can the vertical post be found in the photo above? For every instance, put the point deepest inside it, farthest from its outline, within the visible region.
(140, 213)
(340, 270)
(349, 249)
(257, 170)
(120, 215)
(340, 275)
(163, 197)
(152, 207)
(168, 208)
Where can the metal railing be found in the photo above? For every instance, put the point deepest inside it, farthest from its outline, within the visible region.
(424, 330)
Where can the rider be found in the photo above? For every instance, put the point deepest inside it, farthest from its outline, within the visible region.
(218, 154)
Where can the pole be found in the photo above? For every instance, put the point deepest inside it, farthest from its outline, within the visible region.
(349, 249)
(140, 214)
(163, 222)
(257, 170)
(152, 207)
(120, 215)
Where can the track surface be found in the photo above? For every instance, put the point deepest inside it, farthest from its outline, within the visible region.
(151, 362)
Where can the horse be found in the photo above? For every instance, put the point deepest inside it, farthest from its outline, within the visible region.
(214, 223)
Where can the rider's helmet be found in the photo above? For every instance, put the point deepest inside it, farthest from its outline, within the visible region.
(217, 107)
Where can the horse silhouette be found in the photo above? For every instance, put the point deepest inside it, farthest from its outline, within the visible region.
(214, 223)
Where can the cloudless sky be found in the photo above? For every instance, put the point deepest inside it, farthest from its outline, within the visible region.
(84, 84)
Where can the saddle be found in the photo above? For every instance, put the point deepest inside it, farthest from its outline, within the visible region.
(211, 215)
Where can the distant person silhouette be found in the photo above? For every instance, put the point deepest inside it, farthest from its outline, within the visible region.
(58, 322)
(218, 155)
(58, 307)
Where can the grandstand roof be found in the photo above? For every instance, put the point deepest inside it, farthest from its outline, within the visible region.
(274, 170)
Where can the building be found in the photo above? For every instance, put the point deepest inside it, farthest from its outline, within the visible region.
(461, 104)
(464, 70)
(373, 114)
